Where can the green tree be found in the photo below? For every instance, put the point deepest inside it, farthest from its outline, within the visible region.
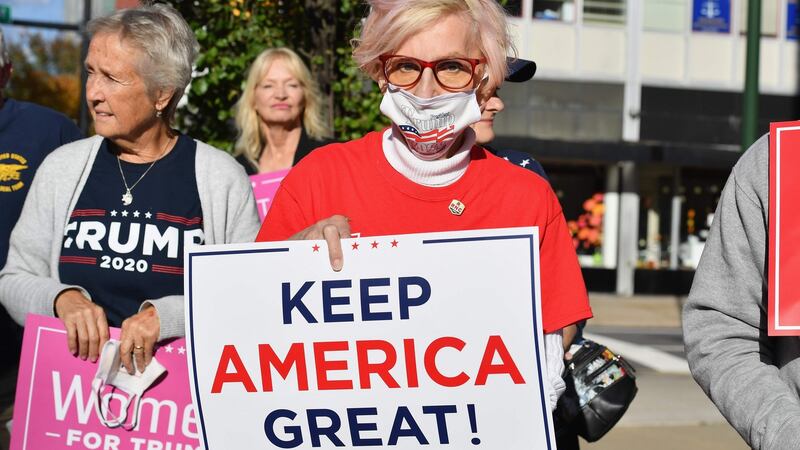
(232, 33)
(47, 72)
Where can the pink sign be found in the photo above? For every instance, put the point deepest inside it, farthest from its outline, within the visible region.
(264, 187)
(55, 408)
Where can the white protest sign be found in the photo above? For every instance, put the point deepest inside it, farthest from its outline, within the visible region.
(421, 341)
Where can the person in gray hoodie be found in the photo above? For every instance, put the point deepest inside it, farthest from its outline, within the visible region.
(753, 379)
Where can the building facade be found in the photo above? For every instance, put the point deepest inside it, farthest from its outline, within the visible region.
(635, 113)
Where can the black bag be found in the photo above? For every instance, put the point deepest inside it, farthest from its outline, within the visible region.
(604, 387)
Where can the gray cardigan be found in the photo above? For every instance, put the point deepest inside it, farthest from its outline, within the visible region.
(754, 380)
(29, 282)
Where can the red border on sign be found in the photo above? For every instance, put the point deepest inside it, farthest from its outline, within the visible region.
(783, 312)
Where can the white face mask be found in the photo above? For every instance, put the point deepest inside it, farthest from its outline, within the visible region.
(430, 125)
(111, 371)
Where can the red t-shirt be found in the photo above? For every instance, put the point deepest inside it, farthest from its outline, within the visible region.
(355, 179)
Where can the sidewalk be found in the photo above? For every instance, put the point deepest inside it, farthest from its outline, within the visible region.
(705, 437)
(670, 411)
(637, 310)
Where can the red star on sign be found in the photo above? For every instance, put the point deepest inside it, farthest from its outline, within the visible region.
(355, 245)
(374, 244)
(315, 247)
(394, 243)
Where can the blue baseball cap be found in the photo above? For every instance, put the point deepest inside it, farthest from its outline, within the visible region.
(520, 70)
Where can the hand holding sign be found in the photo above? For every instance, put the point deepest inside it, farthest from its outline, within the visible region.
(138, 338)
(87, 328)
(332, 230)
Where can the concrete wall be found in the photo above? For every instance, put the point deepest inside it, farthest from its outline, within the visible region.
(674, 57)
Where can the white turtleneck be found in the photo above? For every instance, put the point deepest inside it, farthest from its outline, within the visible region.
(440, 172)
(444, 172)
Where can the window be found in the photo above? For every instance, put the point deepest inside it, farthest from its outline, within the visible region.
(563, 10)
(604, 11)
(769, 17)
(665, 15)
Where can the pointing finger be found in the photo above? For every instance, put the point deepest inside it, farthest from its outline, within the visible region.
(331, 234)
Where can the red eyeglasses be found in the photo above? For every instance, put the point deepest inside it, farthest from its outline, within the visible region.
(450, 73)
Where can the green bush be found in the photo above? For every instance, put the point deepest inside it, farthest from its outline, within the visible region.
(232, 33)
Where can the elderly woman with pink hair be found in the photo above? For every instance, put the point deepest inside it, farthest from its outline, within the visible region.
(437, 63)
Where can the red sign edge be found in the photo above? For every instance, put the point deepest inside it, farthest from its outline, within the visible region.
(771, 262)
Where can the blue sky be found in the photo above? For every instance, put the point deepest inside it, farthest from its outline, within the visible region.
(40, 10)
(44, 10)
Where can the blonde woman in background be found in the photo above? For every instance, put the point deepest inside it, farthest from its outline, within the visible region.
(279, 116)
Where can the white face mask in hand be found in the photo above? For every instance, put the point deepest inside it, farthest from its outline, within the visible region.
(430, 125)
(110, 371)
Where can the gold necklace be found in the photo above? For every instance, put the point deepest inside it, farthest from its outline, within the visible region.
(127, 197)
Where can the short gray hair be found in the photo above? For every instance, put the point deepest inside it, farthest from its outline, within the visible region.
(166, 41)
(4, 60)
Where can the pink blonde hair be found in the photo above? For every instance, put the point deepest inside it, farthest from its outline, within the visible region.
(390, 22)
